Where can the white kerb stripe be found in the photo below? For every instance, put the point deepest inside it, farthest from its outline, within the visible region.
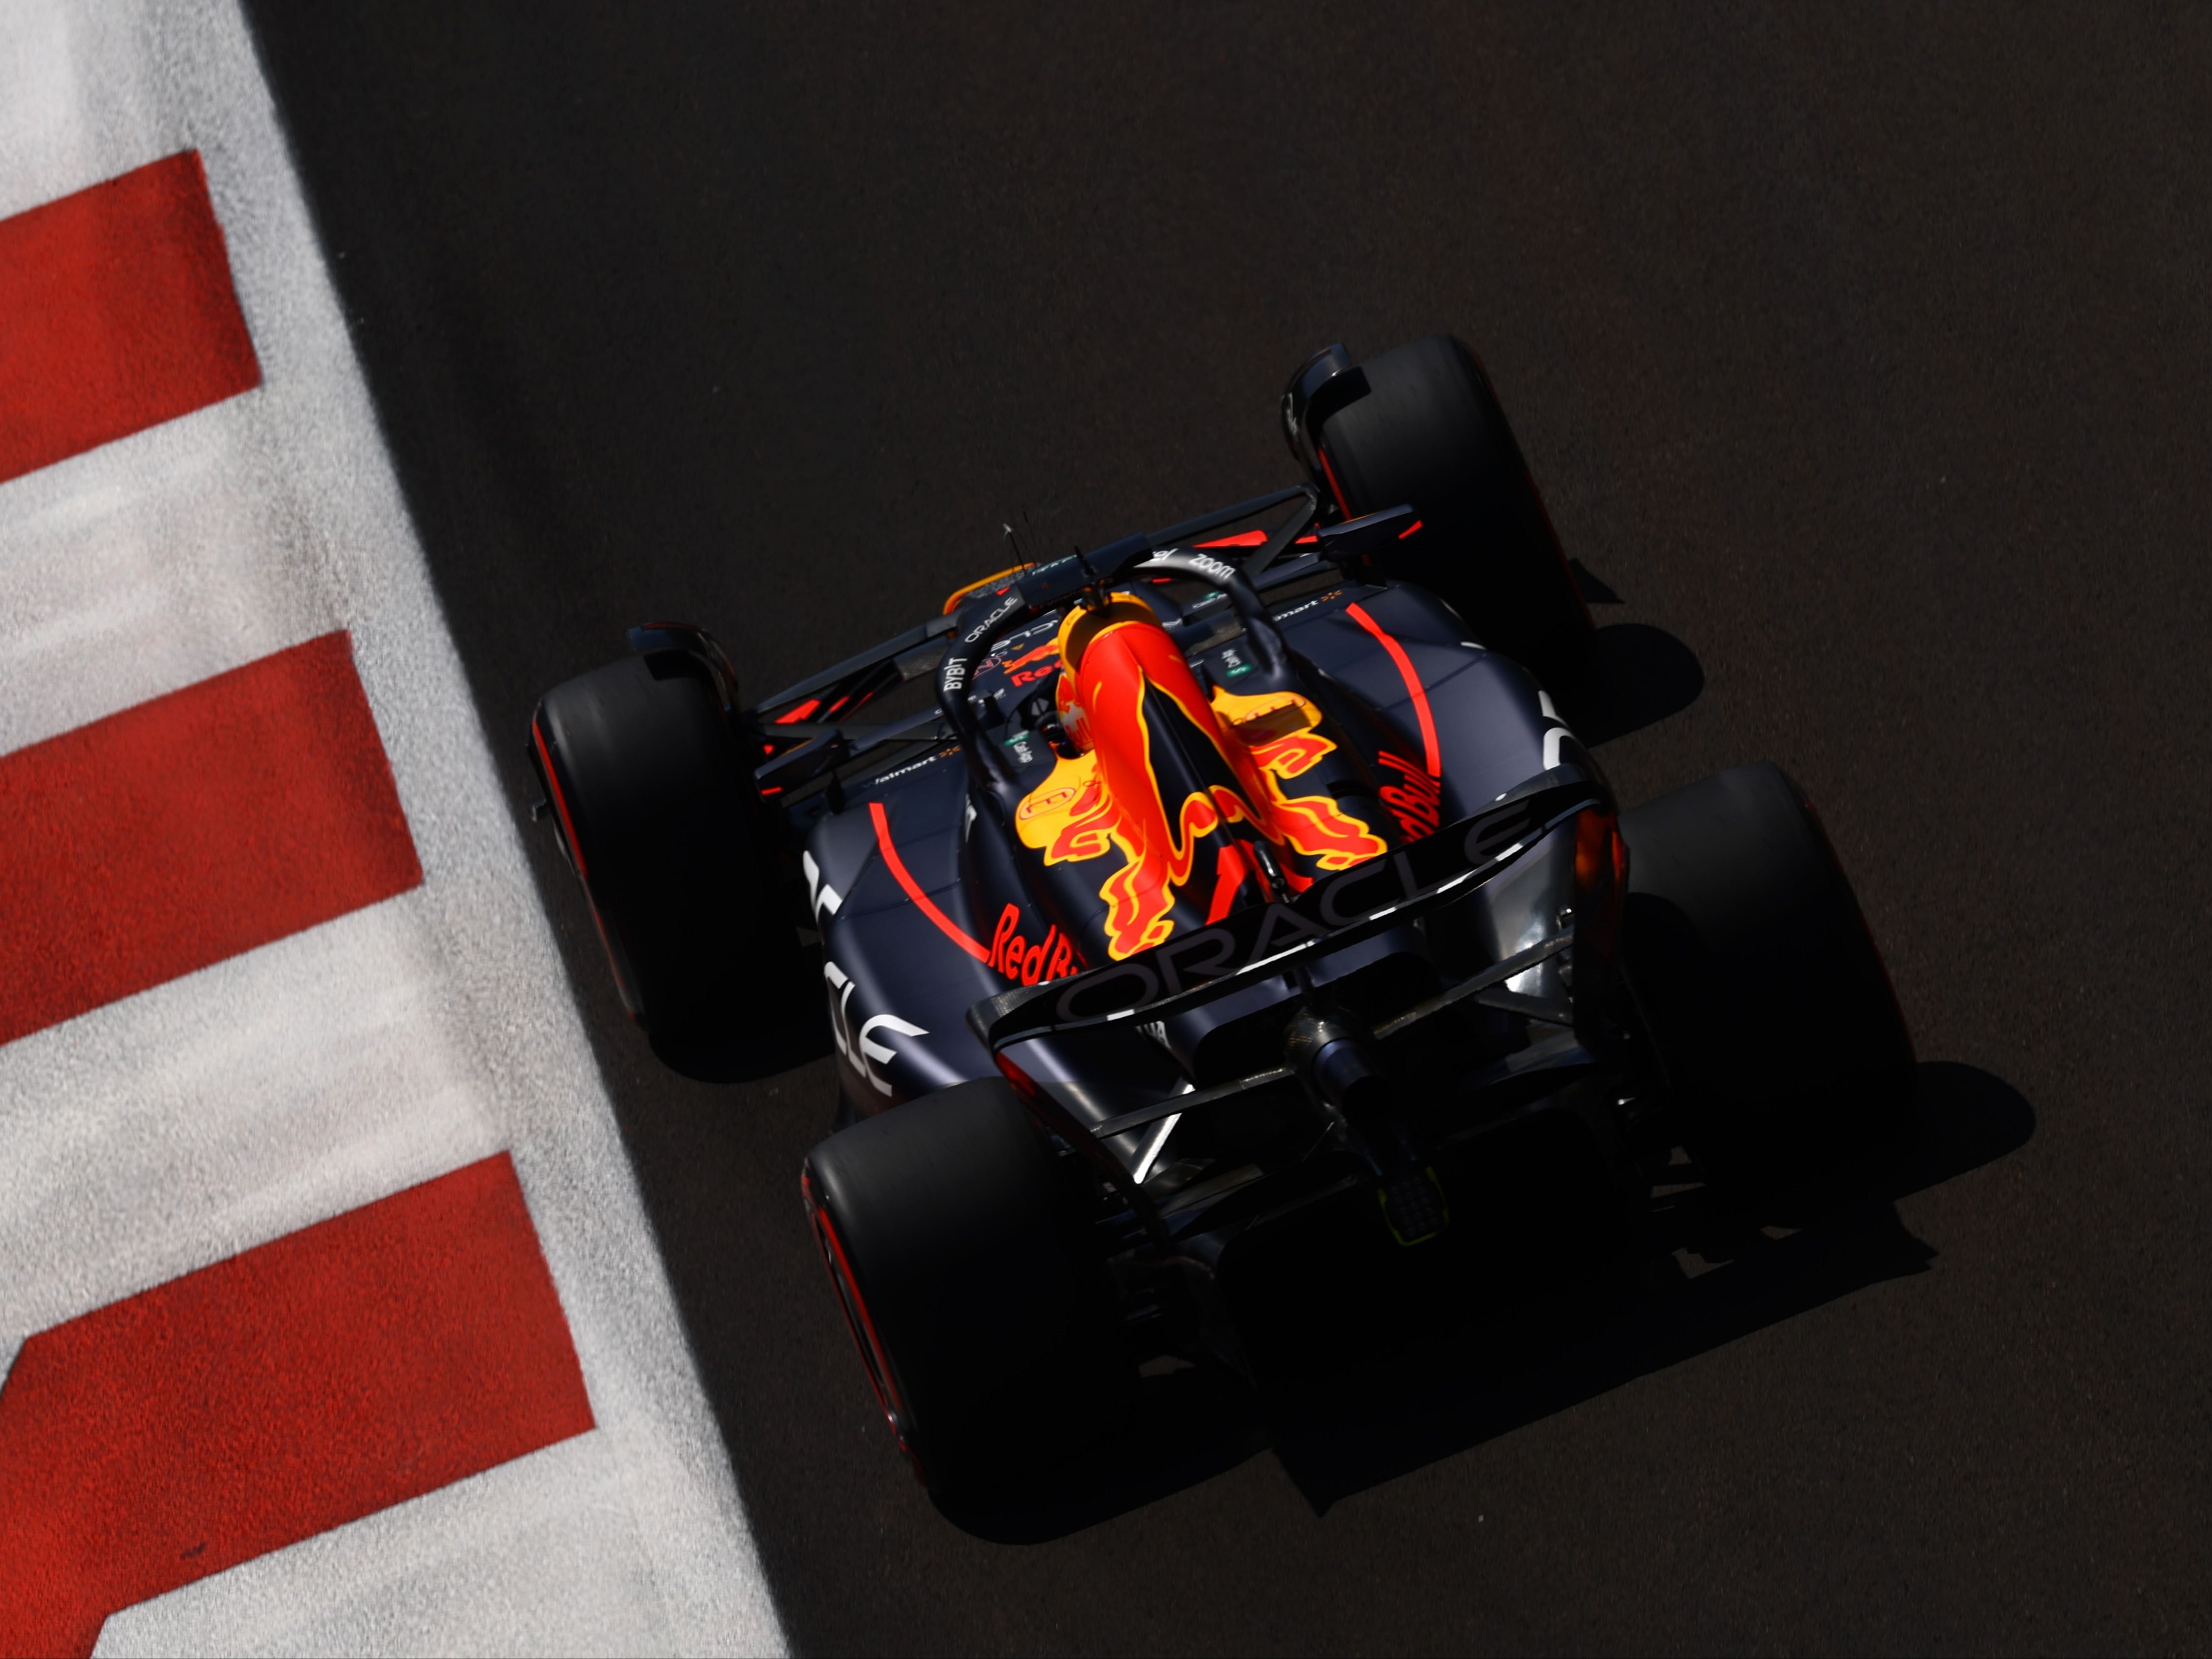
(219, 1111)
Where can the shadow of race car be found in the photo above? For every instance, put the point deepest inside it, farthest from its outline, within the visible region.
(1238, 884)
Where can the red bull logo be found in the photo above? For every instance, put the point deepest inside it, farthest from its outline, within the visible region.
(1033, 665)
(1051, 957)
(1415, 798)
(1122, 678)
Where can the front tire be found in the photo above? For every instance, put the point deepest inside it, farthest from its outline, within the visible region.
(658, 817)
(1421, 425)
(957, 1247)
(1765, 997)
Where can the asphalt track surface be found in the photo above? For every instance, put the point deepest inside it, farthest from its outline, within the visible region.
(1864, 357)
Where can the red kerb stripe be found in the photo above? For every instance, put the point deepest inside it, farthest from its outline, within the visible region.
(116, 313)
(332, 1373)
(185, 830)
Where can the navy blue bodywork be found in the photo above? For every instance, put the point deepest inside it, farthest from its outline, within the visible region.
(901, 984)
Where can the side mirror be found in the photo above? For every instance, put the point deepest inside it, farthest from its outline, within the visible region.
(1355, 538)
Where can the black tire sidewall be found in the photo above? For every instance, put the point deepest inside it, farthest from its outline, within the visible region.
(966, 1245)
(1760, 981)
(667, 838)
(1422, 426)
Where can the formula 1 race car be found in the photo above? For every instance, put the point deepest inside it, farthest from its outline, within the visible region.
(1235, 885)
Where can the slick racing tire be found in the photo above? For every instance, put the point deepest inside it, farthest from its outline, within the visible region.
(1418, 424)
(987, 1323)
(658, 817)
(1760, 984)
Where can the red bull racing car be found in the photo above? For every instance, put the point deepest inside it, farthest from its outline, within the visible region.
(1238, 883)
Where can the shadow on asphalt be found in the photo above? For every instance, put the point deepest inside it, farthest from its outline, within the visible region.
(1643, 674)
(773, 1038)
(1640, 675)
(1363, 1382)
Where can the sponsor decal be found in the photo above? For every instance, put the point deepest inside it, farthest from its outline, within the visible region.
(1559, 736)
(953, 673)
(1012, 954)
(821, 897)
(1031, 666)
(1304, 605)
(1337, 911)
(858, 1044)
(1009, 952)
(873, 1053)
(882, 778)
(1415, 798)
(1220, 572)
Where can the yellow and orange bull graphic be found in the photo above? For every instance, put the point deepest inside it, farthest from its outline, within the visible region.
(1134, 708)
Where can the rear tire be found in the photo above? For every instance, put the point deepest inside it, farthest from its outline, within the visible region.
(1421, 425)
(1760, 983)
(658, 815)
(958, 1249)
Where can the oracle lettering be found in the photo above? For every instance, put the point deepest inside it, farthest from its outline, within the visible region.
(1279, 916)
(1218, 947)
(1082, 999)
(1491, 833)
(1332, 910)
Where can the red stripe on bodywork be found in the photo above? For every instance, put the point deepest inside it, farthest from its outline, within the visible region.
(1414, 689)
(116, 313)
(320, 1378)
(163, 839)
(1252, 538)
(922, 901)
